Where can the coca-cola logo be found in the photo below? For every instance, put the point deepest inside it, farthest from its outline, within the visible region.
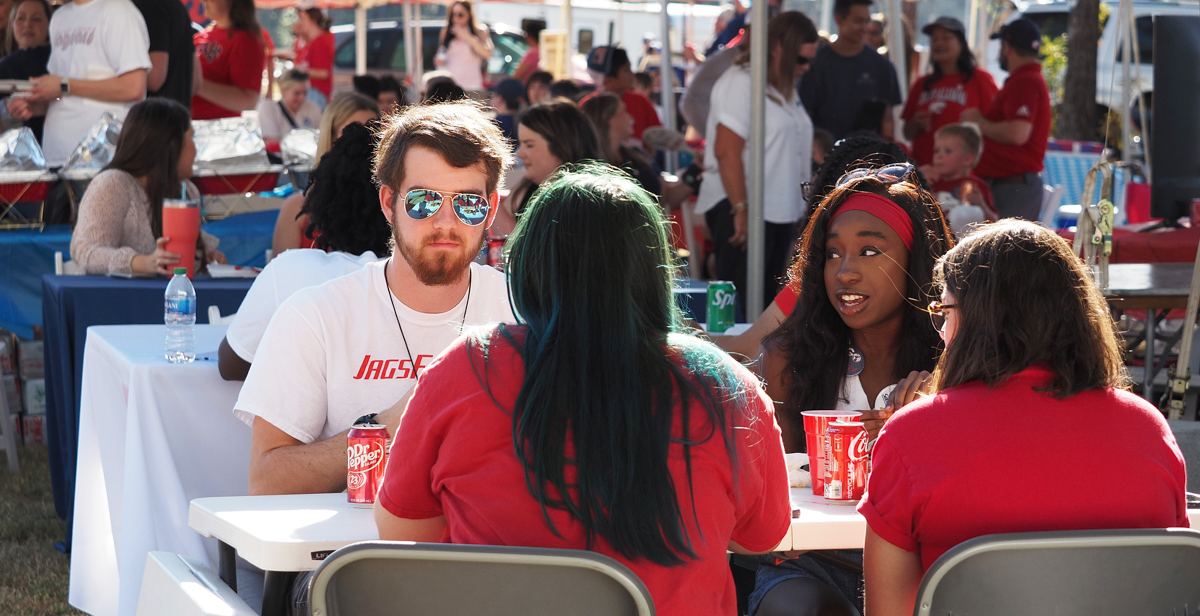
(362, 457)
(858, 446)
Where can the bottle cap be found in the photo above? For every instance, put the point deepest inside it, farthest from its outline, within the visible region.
(181, 271)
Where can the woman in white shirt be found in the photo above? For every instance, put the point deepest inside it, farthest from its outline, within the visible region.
(293, 109)
(791, 44)
(463, 47)
(864, 275)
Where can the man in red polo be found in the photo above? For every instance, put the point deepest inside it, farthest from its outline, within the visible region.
(1016, 127)
(614, 74)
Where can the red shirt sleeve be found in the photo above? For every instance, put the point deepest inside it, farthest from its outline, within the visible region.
(914, 94)
(408, 490)
(1022, 103)
(985, 87)
(786, 300)
(246, 61)
(764, 509)
(887, 505)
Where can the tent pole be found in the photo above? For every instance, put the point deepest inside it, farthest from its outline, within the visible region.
(827, 16)
(418, 43)
(564, 18)
(360, 39)
(414, 87)
(666, 69)
(895, 39)
(1130, 31)
(756, 230)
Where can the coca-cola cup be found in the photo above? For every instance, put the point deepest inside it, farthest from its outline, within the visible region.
(815, 425)
(181, 223)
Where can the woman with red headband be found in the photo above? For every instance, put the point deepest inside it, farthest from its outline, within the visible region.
(863, 270)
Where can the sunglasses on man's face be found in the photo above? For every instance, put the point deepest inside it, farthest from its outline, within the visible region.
(802, 60)
(422, 203)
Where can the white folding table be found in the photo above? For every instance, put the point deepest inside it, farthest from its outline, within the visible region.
(152, 437)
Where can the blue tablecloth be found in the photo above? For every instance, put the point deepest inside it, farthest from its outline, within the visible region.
(71, 305)
(27, 254)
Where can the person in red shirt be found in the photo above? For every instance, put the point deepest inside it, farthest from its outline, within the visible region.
(594, 424)
(954, 84)
(614, 73)
(230, 58)
(314, 52)
(1016, 127)
(956, 150)
(1030, 427)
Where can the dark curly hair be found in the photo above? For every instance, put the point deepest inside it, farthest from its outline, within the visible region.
(341, 200)
(815, 340)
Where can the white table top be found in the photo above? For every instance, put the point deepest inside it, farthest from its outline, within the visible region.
(296, 532)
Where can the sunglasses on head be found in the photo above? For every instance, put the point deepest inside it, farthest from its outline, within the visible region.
(889, 174)
(422, 203)
(937, 313)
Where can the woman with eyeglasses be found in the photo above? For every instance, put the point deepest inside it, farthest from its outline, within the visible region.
(1030, 427)
(863, 272)
(593, 423)
(791, 43)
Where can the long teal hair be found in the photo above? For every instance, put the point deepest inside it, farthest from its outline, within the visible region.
(591, 278)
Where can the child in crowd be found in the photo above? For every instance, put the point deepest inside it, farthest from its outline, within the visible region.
(956, 149)
(643, 83)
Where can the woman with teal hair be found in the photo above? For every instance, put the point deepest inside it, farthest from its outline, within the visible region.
(593, 424)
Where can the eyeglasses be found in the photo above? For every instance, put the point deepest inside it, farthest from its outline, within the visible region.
(890, 174)
(802, 60)
(421, 203)
(937, 314)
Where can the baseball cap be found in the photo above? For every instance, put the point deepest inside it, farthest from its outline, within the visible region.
(948, 23)
(1021, 34)
(605, 58)
(509, 89)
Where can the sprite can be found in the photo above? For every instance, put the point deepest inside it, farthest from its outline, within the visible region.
(721, 294)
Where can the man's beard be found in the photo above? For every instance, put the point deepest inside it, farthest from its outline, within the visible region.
(437, 268)
(1003, 60)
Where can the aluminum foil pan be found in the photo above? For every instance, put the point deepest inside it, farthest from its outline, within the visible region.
(19, 151)
(299, 147)
(229, 143)
(95, 151)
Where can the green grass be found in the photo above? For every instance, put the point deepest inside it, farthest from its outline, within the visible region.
(33, 575)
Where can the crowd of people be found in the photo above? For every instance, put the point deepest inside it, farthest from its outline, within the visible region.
(565, 402)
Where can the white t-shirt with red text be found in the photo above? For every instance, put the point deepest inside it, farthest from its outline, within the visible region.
(334, 352)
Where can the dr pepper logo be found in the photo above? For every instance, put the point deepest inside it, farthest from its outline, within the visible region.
(362, 457)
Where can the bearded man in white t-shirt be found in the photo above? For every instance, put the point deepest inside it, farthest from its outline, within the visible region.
(357, 344)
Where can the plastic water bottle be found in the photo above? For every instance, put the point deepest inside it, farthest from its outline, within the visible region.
(180, 317)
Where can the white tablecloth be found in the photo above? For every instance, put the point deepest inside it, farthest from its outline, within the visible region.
(152, 437)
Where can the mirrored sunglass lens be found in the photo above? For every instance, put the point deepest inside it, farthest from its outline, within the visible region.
(472, 209)
(422, 204)
(893, 173)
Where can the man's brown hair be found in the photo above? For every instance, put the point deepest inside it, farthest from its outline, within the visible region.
(459, 131)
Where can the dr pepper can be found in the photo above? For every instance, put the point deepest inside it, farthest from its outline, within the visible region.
(366, 459)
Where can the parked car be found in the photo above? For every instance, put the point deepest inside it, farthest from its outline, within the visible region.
(1110, 79)
(385, 50)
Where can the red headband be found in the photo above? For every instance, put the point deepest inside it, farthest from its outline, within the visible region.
(882, 208)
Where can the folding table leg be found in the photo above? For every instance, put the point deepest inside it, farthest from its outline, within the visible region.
(227, 564)
(277, 586)
(8, 432)
(1148, 382)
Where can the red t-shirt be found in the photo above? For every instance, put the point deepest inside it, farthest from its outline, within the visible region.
(639, 107)
(1024, 97)
(786, 300)
(230, 57)
(454, 456)
(944, 102)
(954, 187)
(319, 55)
(972, 461)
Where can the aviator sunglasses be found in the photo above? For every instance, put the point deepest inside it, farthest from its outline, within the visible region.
(422, 203)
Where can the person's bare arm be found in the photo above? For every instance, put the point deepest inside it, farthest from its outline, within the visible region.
(481, 43)
(392, 528)
(287, 232)
(158, 71)
(748, 343)
(231, 366)
(281, 464)
(197, 75)
(229, 97)
(318, 73)
(892, 577)
(1010, 132)
(916, 125)
(728, 150)
(124, 88)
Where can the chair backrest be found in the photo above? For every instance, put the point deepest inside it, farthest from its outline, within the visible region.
(215, 318)
(1052, 197)
(385, 577)
(183, 586)
(1068, 573)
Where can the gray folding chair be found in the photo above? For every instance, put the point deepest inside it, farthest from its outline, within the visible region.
(1069, 573)
(385, 577)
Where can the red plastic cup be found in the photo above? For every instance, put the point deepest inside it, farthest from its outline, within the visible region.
(815, 425)
(181, 223)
